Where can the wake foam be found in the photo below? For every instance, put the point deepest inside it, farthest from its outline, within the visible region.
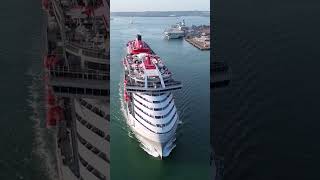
(41, 134)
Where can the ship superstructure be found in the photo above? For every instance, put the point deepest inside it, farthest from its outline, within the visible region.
(151, 110)
(77, 77)
(176, 31)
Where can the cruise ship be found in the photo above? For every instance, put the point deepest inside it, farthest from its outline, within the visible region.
(76, 78)
(150, 106)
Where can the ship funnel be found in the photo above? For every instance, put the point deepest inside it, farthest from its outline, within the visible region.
(139, 37)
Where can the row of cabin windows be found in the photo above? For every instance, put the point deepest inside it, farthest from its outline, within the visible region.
(160, 94)
(94, 109)
(100, 55)
(93, 128)
(154, 101)
(154, 91)
(80, 91)
(154, 109)
(158, 125)
(93, 149)
(156, 117)
(97, 66)
(91, 169)
(79, 75)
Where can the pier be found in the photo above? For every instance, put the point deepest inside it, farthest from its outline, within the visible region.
(199, 36)
(202, 45)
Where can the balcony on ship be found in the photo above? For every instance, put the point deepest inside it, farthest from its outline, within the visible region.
(153, 87)
(78, 83)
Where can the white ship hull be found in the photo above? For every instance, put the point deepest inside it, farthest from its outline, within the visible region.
(154, 144)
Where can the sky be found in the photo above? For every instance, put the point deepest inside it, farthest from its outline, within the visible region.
(158, 5)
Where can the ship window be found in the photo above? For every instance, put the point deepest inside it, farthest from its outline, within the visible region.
(95, 151)
(108, 138)
(80, 90)
(89, 106)
(96, 92)
(64, 89)
(90, 168)
(107, 117)
(97, 174)
(105, 93)
(89, 146)
(89, 126)
(88, 91)
(73, 90)
(97, 66)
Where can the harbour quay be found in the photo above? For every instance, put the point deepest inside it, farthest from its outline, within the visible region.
(199, 36)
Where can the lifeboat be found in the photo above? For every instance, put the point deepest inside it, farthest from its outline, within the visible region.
(45, 4)
(51, 100)
(50, 61)
(51, 118)
(54, 115)
(54, 112)
(126, 96)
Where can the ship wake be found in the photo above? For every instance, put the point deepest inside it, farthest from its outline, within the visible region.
(42, 146)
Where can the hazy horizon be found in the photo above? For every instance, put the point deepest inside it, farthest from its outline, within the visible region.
(160, 11)
(164, 11)
(163, 5)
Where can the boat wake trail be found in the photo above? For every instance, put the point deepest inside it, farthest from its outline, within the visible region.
(124, 113)
(126, 126)
(43, 145)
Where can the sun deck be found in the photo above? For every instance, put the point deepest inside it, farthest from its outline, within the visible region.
(144, 66)
(145, 71)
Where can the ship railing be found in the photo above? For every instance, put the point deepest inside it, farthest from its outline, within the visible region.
(58, 11)
(65, 72)
(156, 88)
(81, 92)
(94, 53)
(154, 85)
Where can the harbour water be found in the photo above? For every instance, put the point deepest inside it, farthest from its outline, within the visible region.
(266, 122)
(190, 158)
(23, 138)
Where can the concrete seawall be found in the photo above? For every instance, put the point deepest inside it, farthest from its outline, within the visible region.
(197, 44)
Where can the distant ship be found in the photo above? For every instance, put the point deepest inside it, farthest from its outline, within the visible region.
(150, 106)
(176, 31)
